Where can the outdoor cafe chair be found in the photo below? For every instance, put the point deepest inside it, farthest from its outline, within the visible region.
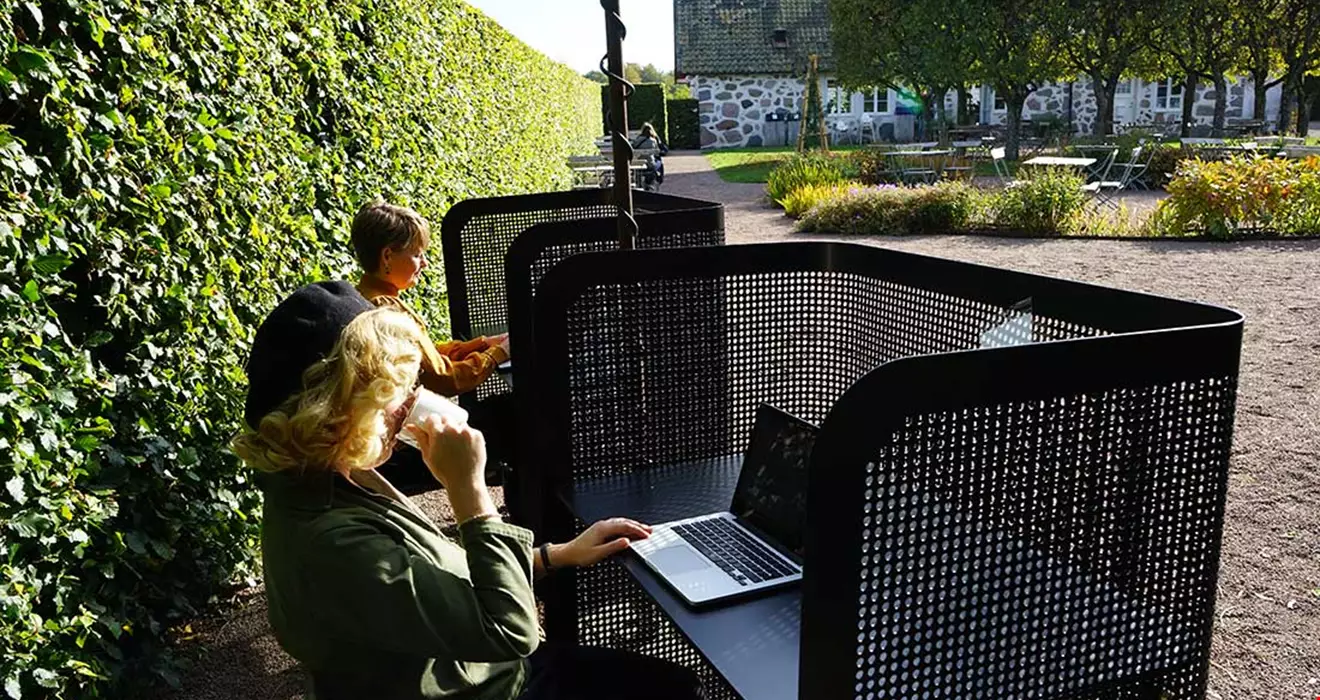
(1109, 190)
(842, 130)
(998, 157)
(867, 128)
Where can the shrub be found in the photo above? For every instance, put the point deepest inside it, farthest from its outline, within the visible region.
(647, 104)
(1046, 202)
(801, 170)
(167, 172)
(804, 198)
(872, 166)
(684, 124)
(1164, 163)
(892, 210)
(1227, 199)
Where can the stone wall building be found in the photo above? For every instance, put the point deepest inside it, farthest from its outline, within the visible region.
(746, 60)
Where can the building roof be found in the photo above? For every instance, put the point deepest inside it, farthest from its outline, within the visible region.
(736, 37)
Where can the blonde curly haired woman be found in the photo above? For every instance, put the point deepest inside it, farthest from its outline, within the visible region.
(363, 588)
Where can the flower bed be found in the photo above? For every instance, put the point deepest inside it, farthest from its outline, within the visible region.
(1241, 197)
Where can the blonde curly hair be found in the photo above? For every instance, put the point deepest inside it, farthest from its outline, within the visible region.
(338, 421)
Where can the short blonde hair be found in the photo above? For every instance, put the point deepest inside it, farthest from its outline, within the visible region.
(338, 420)
(380, 225)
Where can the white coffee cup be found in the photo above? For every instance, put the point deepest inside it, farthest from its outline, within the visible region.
(429, 403)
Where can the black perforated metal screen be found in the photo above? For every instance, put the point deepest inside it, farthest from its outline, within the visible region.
(477, 234)
(1049, 531)
(1050, 548)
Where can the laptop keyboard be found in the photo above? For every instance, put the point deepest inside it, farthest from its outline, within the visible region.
(740, 556)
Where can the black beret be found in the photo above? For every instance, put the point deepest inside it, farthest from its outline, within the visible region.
(300, 332)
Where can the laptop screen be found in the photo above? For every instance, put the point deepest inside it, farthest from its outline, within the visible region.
(772, 488)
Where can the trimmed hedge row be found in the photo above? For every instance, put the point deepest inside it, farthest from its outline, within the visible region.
(168, 170)
(684, 124)
(647, 104)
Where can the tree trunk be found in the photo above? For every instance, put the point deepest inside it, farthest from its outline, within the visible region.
(1221, 104)
(1288, 100)
(1104, 104)
(1190, 82)
(1013, 141)
(1260, 79)
(1304, 106)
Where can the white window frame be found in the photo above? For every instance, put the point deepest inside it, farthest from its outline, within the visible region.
(1173, 97)
(875, 96)
(837, 101)
(997, 103)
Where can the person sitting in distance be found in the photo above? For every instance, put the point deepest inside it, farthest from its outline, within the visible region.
(648, 139)
(364, 589)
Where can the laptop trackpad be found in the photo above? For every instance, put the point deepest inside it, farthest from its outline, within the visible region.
(679, 559)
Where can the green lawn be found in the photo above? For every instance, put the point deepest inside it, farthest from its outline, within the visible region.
(753, 165)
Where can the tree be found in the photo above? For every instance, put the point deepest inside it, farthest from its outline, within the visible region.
(596, 76)
(1260, 58)
(651, 74)
(1299, 47)
(921, 48)
(632, 73)
(1014, 54)
(1105, 39)
(1203, 39)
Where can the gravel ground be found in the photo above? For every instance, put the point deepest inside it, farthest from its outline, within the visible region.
(1267, 631)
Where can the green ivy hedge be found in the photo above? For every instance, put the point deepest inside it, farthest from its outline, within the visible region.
(647, 104)
(168, 170)
(684, 123)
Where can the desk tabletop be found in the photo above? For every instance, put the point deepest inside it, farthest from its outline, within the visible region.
(1059, 160)
(752, 643)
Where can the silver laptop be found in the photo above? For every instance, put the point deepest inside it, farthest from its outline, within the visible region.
(758, 543)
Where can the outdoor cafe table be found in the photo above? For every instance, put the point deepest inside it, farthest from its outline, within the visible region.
(1061, 161)
(753, 642)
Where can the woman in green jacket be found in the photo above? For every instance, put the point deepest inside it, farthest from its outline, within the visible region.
(364, 589)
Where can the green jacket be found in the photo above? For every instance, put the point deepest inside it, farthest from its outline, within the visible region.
(376, 603)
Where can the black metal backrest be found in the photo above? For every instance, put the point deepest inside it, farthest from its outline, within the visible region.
(476, 234)
(982, 521)
(474, 237)
(666, 222)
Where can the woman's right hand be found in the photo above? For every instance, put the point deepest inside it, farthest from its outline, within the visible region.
(500, 341)
(455, 452)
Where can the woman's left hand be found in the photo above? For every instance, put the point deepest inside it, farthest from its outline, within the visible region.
(602, 539)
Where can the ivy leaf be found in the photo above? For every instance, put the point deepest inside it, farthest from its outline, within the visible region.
(36, 15)
(6, 77)
(160, 191)
(98, 338)
(31, 292)
(51, 264)
(31, 60)
(13, 689)
(15, 488)
(46, 678)
(135, 542)
(100, 26)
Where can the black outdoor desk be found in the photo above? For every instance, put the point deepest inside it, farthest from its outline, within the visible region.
(752, 643)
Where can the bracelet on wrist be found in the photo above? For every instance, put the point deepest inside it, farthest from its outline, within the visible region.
(545, 556)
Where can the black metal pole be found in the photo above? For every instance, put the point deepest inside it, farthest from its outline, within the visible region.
(620, 90)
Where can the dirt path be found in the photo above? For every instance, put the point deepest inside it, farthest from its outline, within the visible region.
(1267, 631)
